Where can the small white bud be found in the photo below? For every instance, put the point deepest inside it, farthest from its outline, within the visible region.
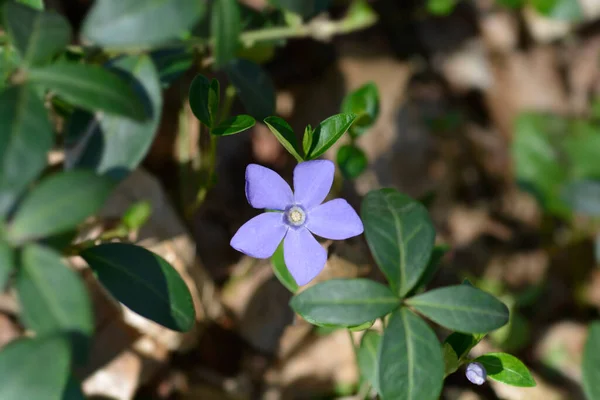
(476, 373)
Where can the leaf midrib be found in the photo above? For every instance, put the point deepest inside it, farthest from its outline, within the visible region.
(454, 308)
(376, 300)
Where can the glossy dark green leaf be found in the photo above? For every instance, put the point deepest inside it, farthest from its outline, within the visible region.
(286, 136)
(225, 27)
(344, 302)
(304, 8)
(7, 266)
(351, 160)
(131, 24)
(172, 63)
(35, 368)
(90, 87)
(233, 125)
(505, 368)
(583, 196)
(411, 365)
(462, 308)
(367, 357)
(53, 298)
(204, 98)
(119, 144)
(38, 35)
(591, 362)
(328, 132)
(400, 235)
(462, 343)
(281, 271)
(59, 203)
(26, 138)
(364, 102)
(254, 87)
(144, 282)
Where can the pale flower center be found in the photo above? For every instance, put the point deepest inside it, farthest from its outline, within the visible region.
(295, 216)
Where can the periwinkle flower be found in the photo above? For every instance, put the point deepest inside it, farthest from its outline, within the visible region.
(476, 373)
(296, 217)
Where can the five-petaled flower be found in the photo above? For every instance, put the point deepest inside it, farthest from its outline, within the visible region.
(296, 217)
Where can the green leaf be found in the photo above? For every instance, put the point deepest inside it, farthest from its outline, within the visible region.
(581, 147)
(37, 4)
(254, 86)
(307, 138)
(60, 202)
(233, 125)
(73, 390)
(137, 215)
(411, 365)
(591, 362)
(462, 343)
(432, 267)
(120, 144)
(90, 87)
(204, 98)
(367, 357)
(172, 63)
(364, 102)
(26, 138)
(441, 7)
(225, 27)
(507, 369)
(462, 308)
(35, 368)
(451, 363)
(286, 136)
(7, 266)
(144, 282)
(344, 302)
(566, 10)
(328, 132)
(352, 161)
(9, 62)
(38, 35)
(53, 298)
(130, 24)
(583, 196)
(400, 235)
(281, 271)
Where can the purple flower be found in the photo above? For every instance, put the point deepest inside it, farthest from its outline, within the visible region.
(298, 215)
(476, 373)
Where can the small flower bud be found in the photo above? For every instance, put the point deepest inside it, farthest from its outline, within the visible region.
(476, 373)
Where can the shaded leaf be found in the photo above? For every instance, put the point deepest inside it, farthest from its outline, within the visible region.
(172, 63)
(233, 125)
(38, 35)
(144, 282)
(281, 271)
(344, 302)
(254, 87)
(90, 87)
(462, 308)
(286, 136)
(119, 144)
(25, 140)
(364, 102)
(367, 357)
(225, 27)
(129, 23)
(7, 266)
(507, 369)
(60, 202)
(450, 359)
(34, 368)
(591, 362)
(411, 364)
(53, 298)
(462, 343)
(328, 132)
(351, 160)
(432, 267)
(400, 235)
(204, 98)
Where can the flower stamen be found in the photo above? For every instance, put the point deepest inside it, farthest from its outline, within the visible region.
(295, 216)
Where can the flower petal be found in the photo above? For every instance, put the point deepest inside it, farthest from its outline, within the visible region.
(260, 236)
(303, 255)
(312, 182)
(335, 220)
(266, 189)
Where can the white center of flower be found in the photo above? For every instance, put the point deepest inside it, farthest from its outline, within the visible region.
(295, 216)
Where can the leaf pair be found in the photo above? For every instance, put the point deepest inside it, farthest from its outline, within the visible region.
(315, 142)
(204, 97)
